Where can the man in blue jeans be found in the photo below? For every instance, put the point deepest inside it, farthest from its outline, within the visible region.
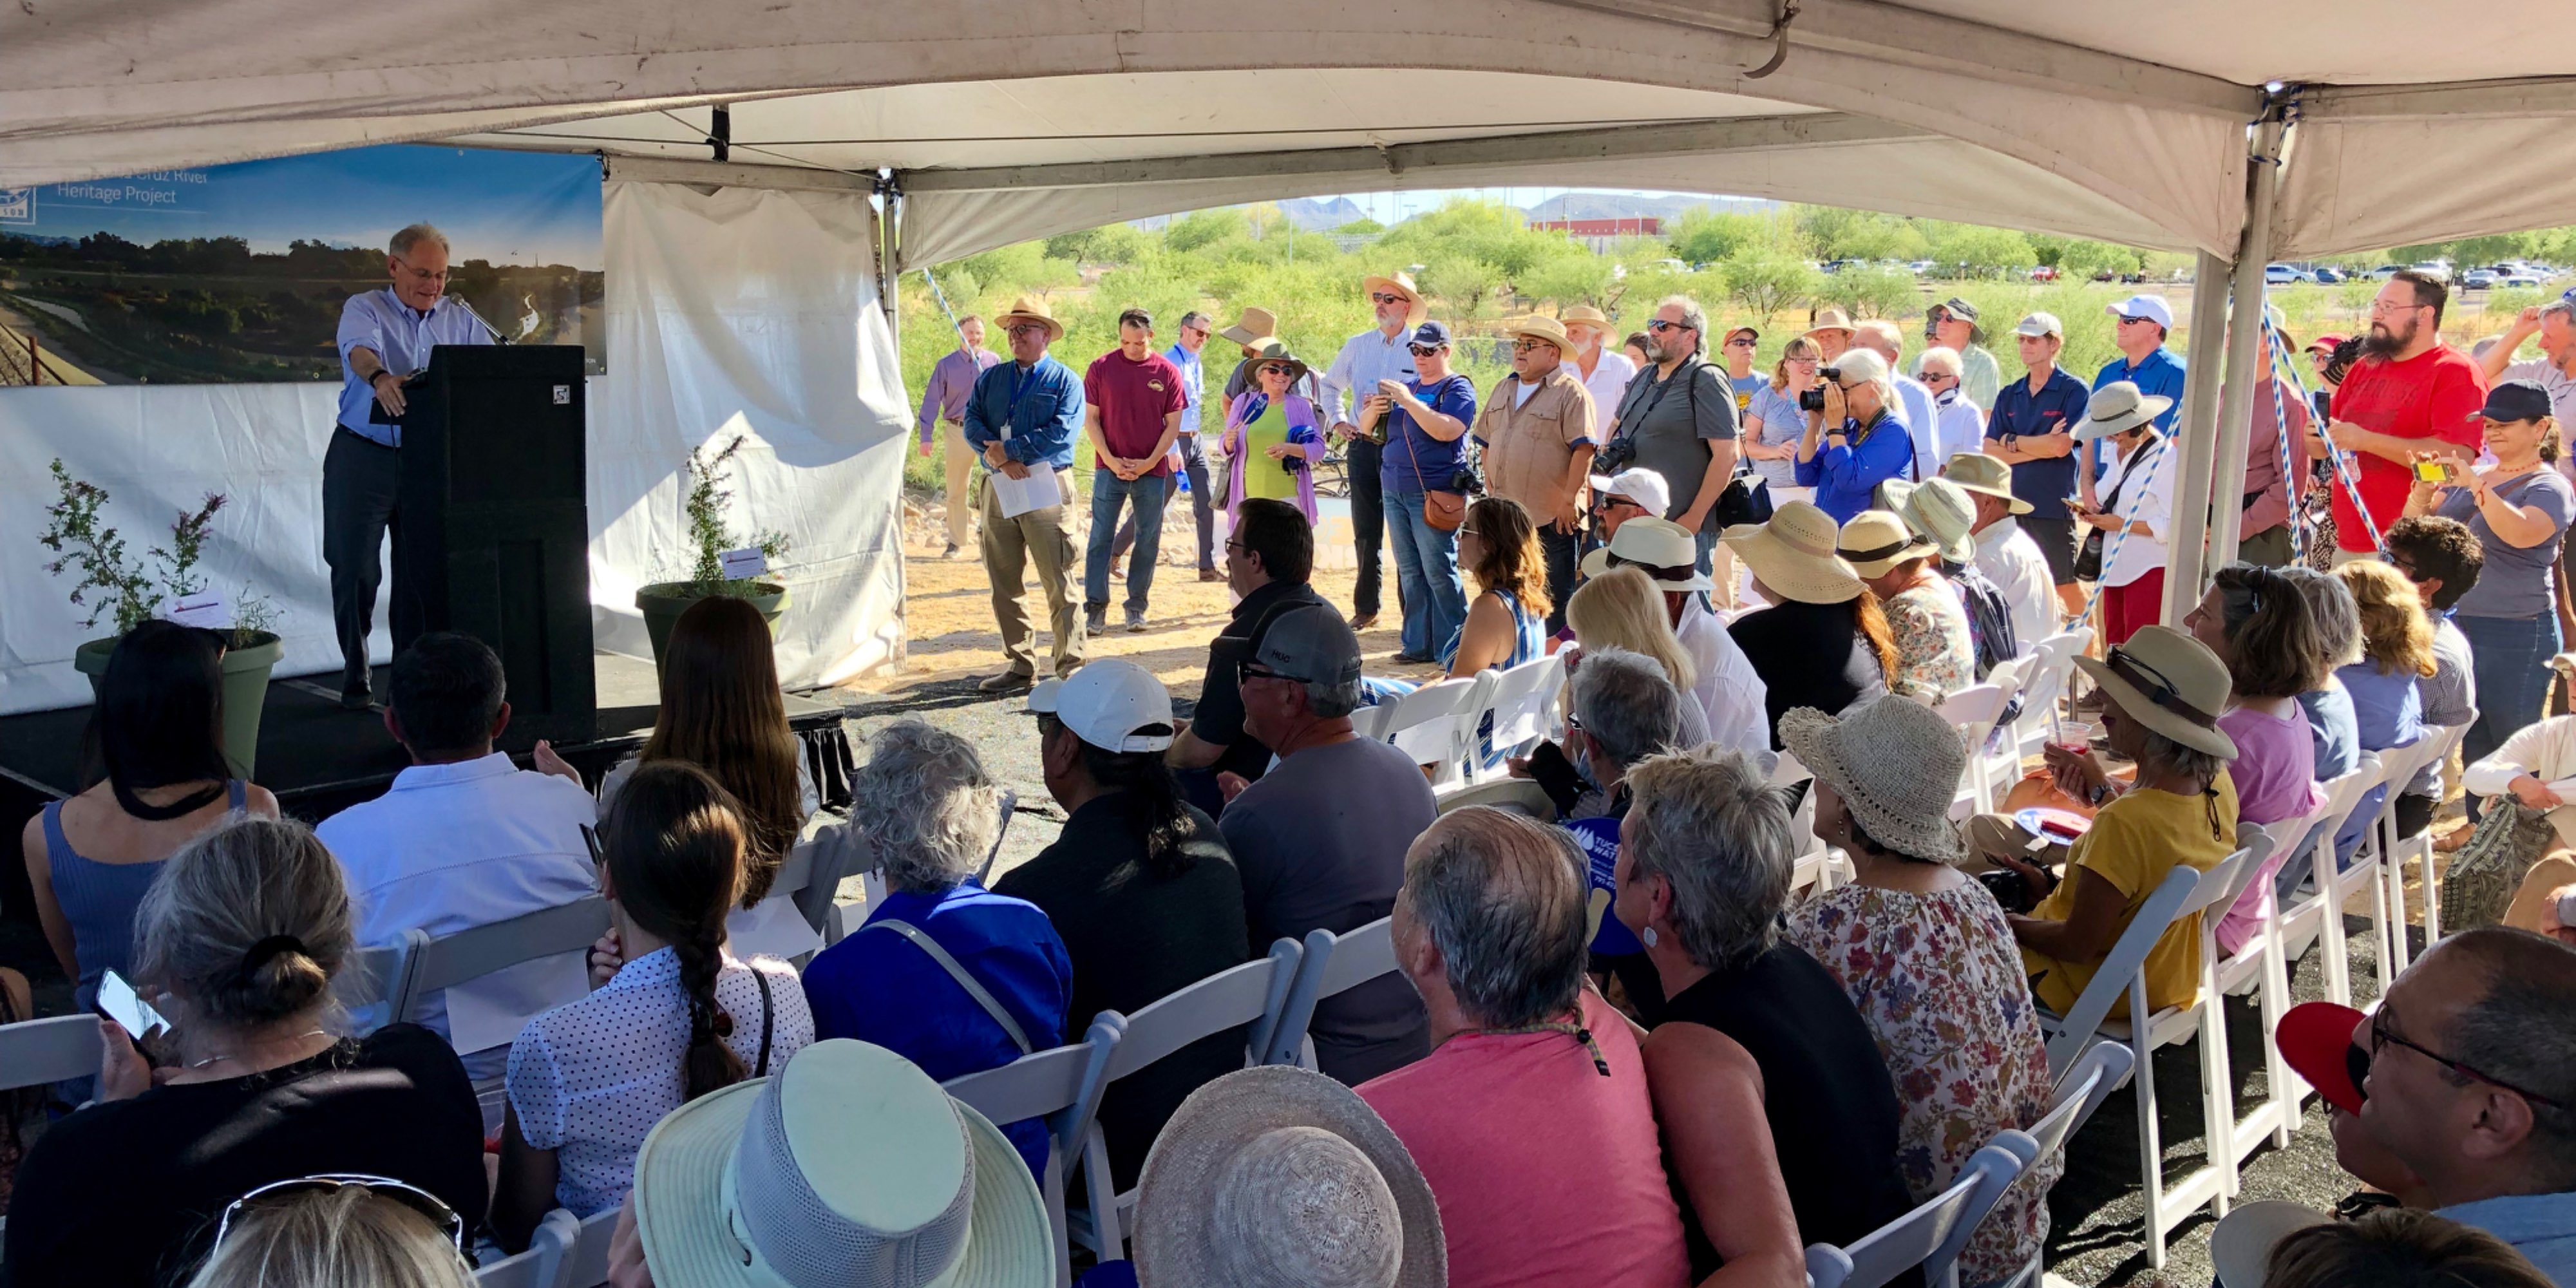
(1132, 411)
(1427, 419)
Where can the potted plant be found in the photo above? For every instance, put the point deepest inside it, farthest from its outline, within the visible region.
(108, 585)
(662, 602)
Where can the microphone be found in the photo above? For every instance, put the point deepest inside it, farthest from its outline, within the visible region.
(488, 328)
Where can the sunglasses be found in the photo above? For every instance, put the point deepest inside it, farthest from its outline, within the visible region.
(1935, 377)
(428, 1205)
(1381, 297)
(1524, 346)
(1272, 369)
(2126, 320)
(1425, 350)
(1740, 342)
(2381, 1034)
(1247, 670)
(1659, 326)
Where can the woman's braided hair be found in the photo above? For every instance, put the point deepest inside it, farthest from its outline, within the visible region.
(675, 843)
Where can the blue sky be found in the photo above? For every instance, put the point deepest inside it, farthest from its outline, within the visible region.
(518, 207)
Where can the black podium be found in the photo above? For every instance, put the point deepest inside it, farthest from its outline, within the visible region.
(496, 525)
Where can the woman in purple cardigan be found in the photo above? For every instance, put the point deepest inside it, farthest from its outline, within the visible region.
(1271, 435)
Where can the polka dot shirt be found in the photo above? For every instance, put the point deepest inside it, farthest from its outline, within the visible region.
(590, 1078)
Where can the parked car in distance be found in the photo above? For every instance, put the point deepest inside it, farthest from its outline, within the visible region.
(2525, 278)
(2478, 279)
(2327, 275)
(2435, 269)
(2044, 273)
(1922, 267)
(2282, 275)
(2386, 271)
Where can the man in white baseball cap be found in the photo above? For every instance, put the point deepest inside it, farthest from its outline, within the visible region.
(1629, 494)
(1728, 691)
(2139, 327)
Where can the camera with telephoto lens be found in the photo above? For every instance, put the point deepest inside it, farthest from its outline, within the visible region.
(1814, 399)
(2346, 353)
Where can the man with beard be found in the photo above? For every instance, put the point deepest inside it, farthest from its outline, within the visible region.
(1681, 413)
(1349, 385)
(2409, 393)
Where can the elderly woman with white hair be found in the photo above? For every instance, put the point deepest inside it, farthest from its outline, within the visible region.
(945, 973)
(1859, 438)
(1770, 1089)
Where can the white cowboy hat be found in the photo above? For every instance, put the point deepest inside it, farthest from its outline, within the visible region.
(2169, 682)
(1793, 554)
(1830, 320)
(1282, 1176)
(849, 1166)
(1665, 550)
(1896, 764)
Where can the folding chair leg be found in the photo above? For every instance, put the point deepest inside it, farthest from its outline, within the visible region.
(2218, 1091)
(2330, 924)
(2432, 887)
(2276, 986)
(2389, 927)
(2151, 1152)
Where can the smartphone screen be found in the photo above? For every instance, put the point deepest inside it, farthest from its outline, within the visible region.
(126, 1007)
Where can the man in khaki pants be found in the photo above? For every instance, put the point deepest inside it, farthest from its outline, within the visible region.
(943, 402)
(1023, 418)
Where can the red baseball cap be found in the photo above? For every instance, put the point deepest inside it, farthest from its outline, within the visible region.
(2327, 342)
(2316, 1041)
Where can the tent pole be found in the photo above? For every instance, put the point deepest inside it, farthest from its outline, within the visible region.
(889, 215)
(2199, 422)
(2244, 383)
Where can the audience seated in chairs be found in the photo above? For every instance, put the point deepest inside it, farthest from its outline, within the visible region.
(2397, 651)
(1530, 1118)
(1622, 609)
(1925, 954)
(1729, 689)
(236, 943)
(2333, 727)
(1138, 883)
(2162, 693)
(1619, 710)
(2467, 1103)
(1507, 620)
(1269, 553)
(2257, 623)
(680, 1018)
(1320, 840)
(2441, 556)
(1758, 1047)
(159, 731)
(1824, 642)
(463, 838)
(1935, 654)
(339, 1232)
(924, 800)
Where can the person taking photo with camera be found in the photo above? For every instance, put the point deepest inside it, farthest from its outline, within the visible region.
(1856, 439)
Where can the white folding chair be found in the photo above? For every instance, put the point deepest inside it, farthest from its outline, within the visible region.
(586, 1265)
(547, 1263)
(1519, 700)
(2184, 893)
(1997, 755)
(1436, 725)
(368, 985)
(57, 1049)
(1332, 964)
(1366, 721)
(2427, 751)
(1972, 713)
(1519, 795)
(2045, 687)
(1061, 1086)
(2254, 966)
(2080, 1091)
(1812, 867)
(1252, 996)
(1930, 1236)
(438, 962)
(2319, 917)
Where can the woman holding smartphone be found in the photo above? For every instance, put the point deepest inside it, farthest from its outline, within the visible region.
(2517, 509)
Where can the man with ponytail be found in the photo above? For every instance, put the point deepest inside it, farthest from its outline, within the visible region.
(679, 1019)
(1139, 884)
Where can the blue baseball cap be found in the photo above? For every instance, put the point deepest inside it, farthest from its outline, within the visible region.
(1431, 333)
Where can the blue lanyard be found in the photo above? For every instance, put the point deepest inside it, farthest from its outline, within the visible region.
(1021, 383)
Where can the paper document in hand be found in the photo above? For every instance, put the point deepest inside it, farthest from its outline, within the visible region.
(1019, 496)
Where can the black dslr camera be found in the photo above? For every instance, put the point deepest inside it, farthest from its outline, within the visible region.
(1468, 481)
(2346, 353)
(1814, 399)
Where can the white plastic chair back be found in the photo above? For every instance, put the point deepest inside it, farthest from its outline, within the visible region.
(1253, 995)
(548, 1261)
(2324, 908)
(2171, 901)
(369, 982)
(1366, 722)
(1519, 795)
(1060, 1086)
(1520, 700)
(2104, 1066)
(1930, 1236)
(1332, 964)
(587, 1265)
(445, 961)
(1436, 725)
(1972, 712)
(36, 1052)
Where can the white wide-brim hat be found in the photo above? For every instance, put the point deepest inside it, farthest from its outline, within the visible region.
(1653, 544)
(1895, 763)
(2117, 408)
(1938, 510)
(2240, 1249)
(1793, 555)
(849, 1166)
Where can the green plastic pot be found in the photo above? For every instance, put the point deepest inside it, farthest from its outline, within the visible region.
(664, 601)
(246, 671)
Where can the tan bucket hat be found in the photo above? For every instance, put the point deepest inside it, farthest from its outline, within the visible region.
(1586, 315)
(1938, 510)
(1033, 309)
(1653, 543)
(1252, 328)
(2169, 682)
(1542, 327)
(1793, 554)
(1876, 540)
(1984, 475)
(1896, 764)
(2117, 408)
(1279, 1176)
(1402, 284)
(1831, 320)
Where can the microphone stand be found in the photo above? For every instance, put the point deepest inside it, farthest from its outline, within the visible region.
(488, 328)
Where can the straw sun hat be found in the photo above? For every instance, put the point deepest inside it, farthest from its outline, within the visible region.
(1793, 554)
(1401, 284)
(1985, 476)
(1279, 1177)
(1586, 315)
(2169, 682)
(1875, 541)
(1252, 328)
(1938, 510)
(1540, 326)
(1895, 763)
(1030, 308)
(849, 1166)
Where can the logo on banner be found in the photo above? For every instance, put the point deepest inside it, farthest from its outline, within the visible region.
(17, 205)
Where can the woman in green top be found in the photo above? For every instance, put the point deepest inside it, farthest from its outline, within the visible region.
(1271, 435)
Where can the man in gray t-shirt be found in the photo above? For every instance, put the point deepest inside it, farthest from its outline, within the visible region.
(1319, 841)
(1680, 412)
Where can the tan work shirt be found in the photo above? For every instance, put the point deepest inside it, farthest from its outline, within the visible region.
(1528, 443)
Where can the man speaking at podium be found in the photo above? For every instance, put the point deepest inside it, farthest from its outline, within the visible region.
(385, 336)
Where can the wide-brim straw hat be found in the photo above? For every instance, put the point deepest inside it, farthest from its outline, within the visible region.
(1984, 475)
(1403, 284)
(2117, 408)
(1875, 541)
(845, 1165)
(1653, 544)
(1273, 349)
(1273, 1149)
(1586, 315)
(1033, 309)
(2169, 682)
(1252, 328)
(1939, 511)
(1896, 764)
(1793, 554)
(1830, 320)
(1542, 327)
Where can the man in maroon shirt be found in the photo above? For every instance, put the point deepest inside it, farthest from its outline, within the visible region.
(2409, 394)
(1132, 411)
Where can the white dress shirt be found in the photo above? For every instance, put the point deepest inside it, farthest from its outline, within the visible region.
(2013, 562)
(2146, 499)
(1607, 384)
(1365, 359)
(1730, 694)
(452, 847)
(1922, 424)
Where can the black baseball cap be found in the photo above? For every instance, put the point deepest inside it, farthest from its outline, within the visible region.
(2515, 400)
(1431, 334)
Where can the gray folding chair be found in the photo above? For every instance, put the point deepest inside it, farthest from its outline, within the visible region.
(1331, 964)
(368, 985)
(586, 1265)
(438, 962)
(2103, 1068)
(548, 1261)
(1930, 1236)
(34, 1053)
(1061, 1086)
(1252, 996)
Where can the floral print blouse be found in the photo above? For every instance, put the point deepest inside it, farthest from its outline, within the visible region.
(1935, 654)
(1939, 982)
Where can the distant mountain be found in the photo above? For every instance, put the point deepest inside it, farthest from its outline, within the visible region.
(1612, 205)
(1315, 215)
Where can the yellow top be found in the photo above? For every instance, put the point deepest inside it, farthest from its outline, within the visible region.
(1262, 476)
(2136, 840)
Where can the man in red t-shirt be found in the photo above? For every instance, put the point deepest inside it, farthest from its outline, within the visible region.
(1132, 412)
(2410, 395)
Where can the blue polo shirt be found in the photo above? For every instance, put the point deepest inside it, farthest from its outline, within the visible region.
(2160, 375)
(1037, 413)
(2055, 409)
(1414, 462)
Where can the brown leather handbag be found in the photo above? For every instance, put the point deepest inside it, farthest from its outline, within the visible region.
(1444, 511)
